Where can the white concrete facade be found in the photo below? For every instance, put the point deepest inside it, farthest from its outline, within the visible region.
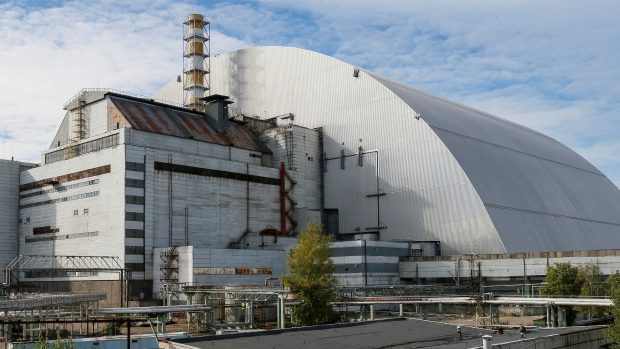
(126, 192)
(503, 266)
(224, 267)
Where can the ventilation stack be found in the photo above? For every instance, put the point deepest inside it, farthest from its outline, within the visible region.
(196, 54)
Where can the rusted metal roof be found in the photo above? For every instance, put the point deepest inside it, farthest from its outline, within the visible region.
(155, 117)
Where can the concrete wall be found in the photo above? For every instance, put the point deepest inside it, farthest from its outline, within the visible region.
(221, 267)
(9, 208)
(86, 218)
(95, 122)
(586, 339)
(201, 210)
(111, 288)
(299, 149)
(465, 266)
(363, 262)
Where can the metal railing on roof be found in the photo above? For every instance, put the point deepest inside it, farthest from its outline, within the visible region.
(37, 300)
(125, 93)
(62, 263)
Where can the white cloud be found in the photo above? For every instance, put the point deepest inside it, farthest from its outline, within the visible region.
(48, 54)
(549, 65)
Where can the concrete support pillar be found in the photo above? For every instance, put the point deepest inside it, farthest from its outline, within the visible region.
(282, 309)
(278, 320)
(527, 288)
(250, 316)
(486, 341)
(400, 310)
(440, 308)
(372, 312)
(548, 319)
(562, 317)
(188, 315)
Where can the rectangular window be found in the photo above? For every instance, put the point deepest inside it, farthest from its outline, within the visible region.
(85, 211)
(134, 233)
(59, 188)
(134, 216)
(135, 266)
(75, 212)
(134, 183)
(134, 199)
(134, 166)
(44, 230)
(134, 250)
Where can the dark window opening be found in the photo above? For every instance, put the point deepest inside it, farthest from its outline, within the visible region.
(44, 230)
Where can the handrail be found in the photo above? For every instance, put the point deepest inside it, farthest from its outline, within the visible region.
(111, 90)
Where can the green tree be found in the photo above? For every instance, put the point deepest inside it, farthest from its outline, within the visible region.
(41, 343)
(613, 291)
(562, 280)
(311, 277)
(591, 280)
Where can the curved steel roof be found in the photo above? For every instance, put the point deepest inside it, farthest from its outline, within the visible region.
(475, 182)
(541, 195)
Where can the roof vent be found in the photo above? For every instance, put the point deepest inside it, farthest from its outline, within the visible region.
(216, 108)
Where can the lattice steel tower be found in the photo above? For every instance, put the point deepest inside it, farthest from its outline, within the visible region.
(196, 59)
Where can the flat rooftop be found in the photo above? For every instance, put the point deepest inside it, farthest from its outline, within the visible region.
(390, 333)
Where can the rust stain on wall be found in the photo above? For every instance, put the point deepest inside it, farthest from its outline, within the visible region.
(232, 271)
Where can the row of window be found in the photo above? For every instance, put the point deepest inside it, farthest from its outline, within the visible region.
(60, 188)
(81, 149)
(62, 237)
(69, 177)
(63, 199)
(58, 273)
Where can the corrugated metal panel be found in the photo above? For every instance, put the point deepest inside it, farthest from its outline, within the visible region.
(541, 195)
(428, 197)
(171, 121)
(438, 172)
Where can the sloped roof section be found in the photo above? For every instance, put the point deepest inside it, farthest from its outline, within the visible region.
(174, 121)
(540, 195)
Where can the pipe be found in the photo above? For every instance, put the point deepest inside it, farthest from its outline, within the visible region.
(282, 199)
(365, 265)
(377, 179)
(247, 198)
(486, 341)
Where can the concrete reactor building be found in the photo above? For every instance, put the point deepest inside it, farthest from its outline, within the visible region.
(209, 181)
